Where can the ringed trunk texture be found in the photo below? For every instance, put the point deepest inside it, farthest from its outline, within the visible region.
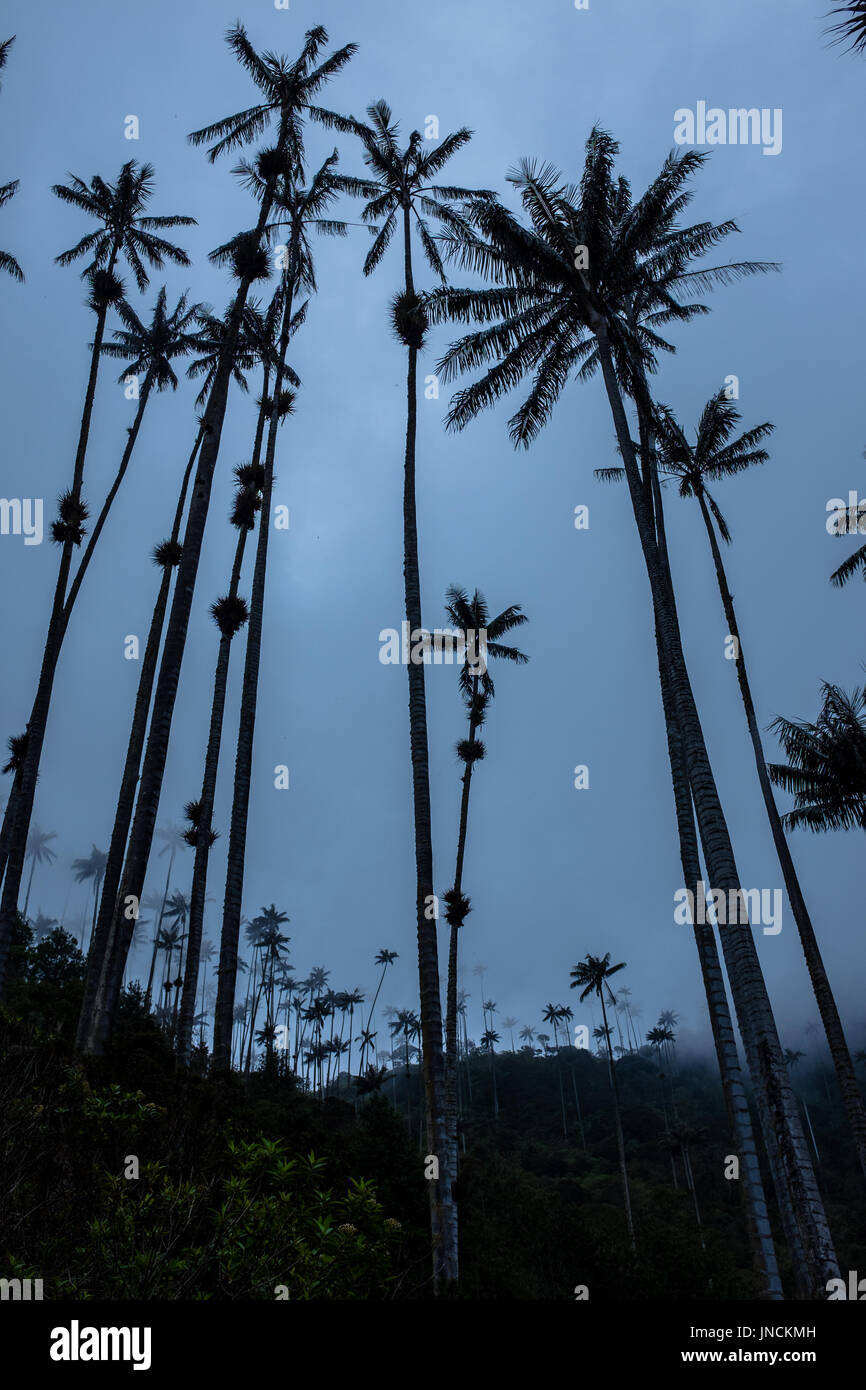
(754, 1012)
(443, 1212)
(839, 1051)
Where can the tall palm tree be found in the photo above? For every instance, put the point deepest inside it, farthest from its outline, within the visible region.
(288, 90)
(125, 231)
(586, 286)
(592, 976)
(92, 868)
(298, 209)
(713, 456)
(467, 616)
(401, 194)
(383, 958)
(8, 190)
(527, 1035)
(39, 851)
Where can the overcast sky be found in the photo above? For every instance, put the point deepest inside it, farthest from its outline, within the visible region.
(553, 872)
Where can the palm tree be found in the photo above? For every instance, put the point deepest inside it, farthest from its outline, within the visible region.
(92, 868)
(288, 89)
(8, 190)
(383, 958)
(39, 851)
(125, 231)
(850, 29)
(510, 1023)
(477, 689)
(299, 209)
(527, 1035)
(592, 976)
(716, 455)
(401, 193)
(586, 286)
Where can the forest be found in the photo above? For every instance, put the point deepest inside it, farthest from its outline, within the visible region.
(190, 1108)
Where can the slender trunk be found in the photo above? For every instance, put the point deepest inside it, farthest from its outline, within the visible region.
(443, 1212)
(620, 1138)
(836, 1040)
(208, 792)
(29, 885)
(128, 783)
(451, 1102)
(577, 1107)
(754, 1012)
(156, 752)
(23, 803)
(249, 696)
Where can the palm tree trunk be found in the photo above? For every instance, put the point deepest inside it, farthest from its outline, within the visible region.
(156, 751)
(620, 1138)
(198, 891)
(17, 844)
(29, 884)
(451, 1100)
(836, 1040)
(739, 1118)
(754, 1012)
(246, 726)
(443, 1213)
(128, 783)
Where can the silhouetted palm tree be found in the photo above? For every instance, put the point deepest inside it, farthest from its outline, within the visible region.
(592, 976)
(716, 455)
(125, 231)
(289, 89)
(469, 616)
(298, 209)
(92, 868)
(39, 851)
(586, 286)
(401, 194)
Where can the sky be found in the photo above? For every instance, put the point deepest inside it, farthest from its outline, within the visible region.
(553, 872)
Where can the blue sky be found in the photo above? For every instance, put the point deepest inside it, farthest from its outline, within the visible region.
(553, 872)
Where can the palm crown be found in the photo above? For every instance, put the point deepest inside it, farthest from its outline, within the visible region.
(471, 615)
(154, 346)
(125, 230)
(826, 767)
(288, 89)
(402, 179)
(543, 314)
